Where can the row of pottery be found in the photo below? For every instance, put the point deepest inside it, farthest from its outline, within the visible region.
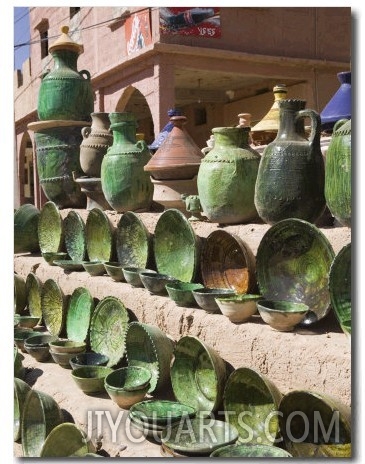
(254, 410)
(292, 263)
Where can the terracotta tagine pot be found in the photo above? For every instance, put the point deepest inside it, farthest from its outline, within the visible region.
(178, 157)
(155, 145)
(290, 180)
(227, 177)
(338, 173)
(265, 130)
(97, 138)
(126, 185)
(339, 107)
(65, 92)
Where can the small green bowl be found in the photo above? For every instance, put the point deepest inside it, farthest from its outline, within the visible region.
(114, 270)
(128, 385)
(94, 268)
(50, 256)
(132, 275)
(20, 335)
(90, 379)
(88, 359)
(238, 308)
(63, 359)
(182, 293)
(282, 315)
(67, 346)
(250, 451)
(205, 297)
(26, 322)
(155, 282)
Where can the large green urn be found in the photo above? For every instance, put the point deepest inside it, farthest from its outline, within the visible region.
(338, 173)
(65, 93)
(125, 184)
(290, 179)
(227, 177)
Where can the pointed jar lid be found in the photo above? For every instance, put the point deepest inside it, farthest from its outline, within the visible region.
(339, 106)
(178, 157)
(165, 131)
(64, 42)
(270, 122)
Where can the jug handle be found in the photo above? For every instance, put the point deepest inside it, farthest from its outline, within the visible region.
(315, 123)
(86, 73)
(141, 144)
(85, 132)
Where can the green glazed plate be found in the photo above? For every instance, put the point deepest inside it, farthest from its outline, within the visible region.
(99, 236)
(293, 261)
(250, 451)
(340, 287)
(79, 313)
(69, 265)
(176, 246)
(133, 241)
(66, 440)
(74, 230)
(53, 307)
(50, 229)
(108, 328)
(34, 292)
(198, 436)
(21, 389)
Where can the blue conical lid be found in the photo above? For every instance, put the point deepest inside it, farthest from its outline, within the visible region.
(165, 131)
(339, 107)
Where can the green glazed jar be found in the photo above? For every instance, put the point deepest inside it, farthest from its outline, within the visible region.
(227, 177)
(290, 180)
(125, 184)
(338, 173)
(65, 93)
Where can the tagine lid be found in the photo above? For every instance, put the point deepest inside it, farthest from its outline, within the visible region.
(64, 42)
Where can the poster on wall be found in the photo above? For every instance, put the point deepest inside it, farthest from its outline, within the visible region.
(138, 31)
(202, 22)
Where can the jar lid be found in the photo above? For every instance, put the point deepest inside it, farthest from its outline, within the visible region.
(64, 42)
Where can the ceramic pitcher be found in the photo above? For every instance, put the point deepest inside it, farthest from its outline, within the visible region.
(290, 179)
(125, 184)
(227, 177)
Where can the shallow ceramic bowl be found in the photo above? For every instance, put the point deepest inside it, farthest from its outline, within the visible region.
(182, 293)
(67, 346)
(20, 335)
(69, 265)
(155, 282)
(38, 346)
(99, 236)
(50, 228)
(132, 275)
(26, 321)
(90, 379)
(205, 297)
(88, 359)
(63, 359)
(75, 241)
(53, 307)
(33, 287)
(50, 257)
(94, 268)
(127, 386)
(238, 308)
(66, 440)
(115, 270)
(250, 451)
(80, 309)
(282, 315)
(160, 412)
(201, 436)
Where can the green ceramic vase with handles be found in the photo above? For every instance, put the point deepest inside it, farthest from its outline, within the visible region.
(337, 188)
(65, 93)
(125, 184)
(227, 177)
(290, 179)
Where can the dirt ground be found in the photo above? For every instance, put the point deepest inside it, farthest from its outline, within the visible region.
(315, 358)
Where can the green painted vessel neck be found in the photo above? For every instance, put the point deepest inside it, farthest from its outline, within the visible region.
(230, 136)
(124, 132)
(65, 59)
(290, 126)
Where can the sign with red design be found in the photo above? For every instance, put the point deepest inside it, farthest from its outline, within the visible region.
(138, 31)
(202, 22)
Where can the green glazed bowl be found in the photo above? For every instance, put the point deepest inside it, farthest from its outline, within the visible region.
(250, 451)
(282, 315)
(205, 297)
(160, 412)
(41, 414)
(21, 389)
(94, 268)
(149, 347)
(115, 270)
(108, 329)
(53, 307)
(251, 402)
(293, 262)
(38, 347)
(26, 219)
(80, 309)
(75, 240)
(322, 425)
(176, 246)
(340, 288)
(67, 346)
(129, 378)
(182, 293)
(90, 379)
(62, 359)
(198, 375)
(133, 241)
(20, 294)
(155, 282)
(238, 308)
(66, 440)
(132, 275)
(26, 322)
(50, 229)
(51, 256)
(33, 287)
(20, 335)
(69, 265)
(99, 234)
(88, 359)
